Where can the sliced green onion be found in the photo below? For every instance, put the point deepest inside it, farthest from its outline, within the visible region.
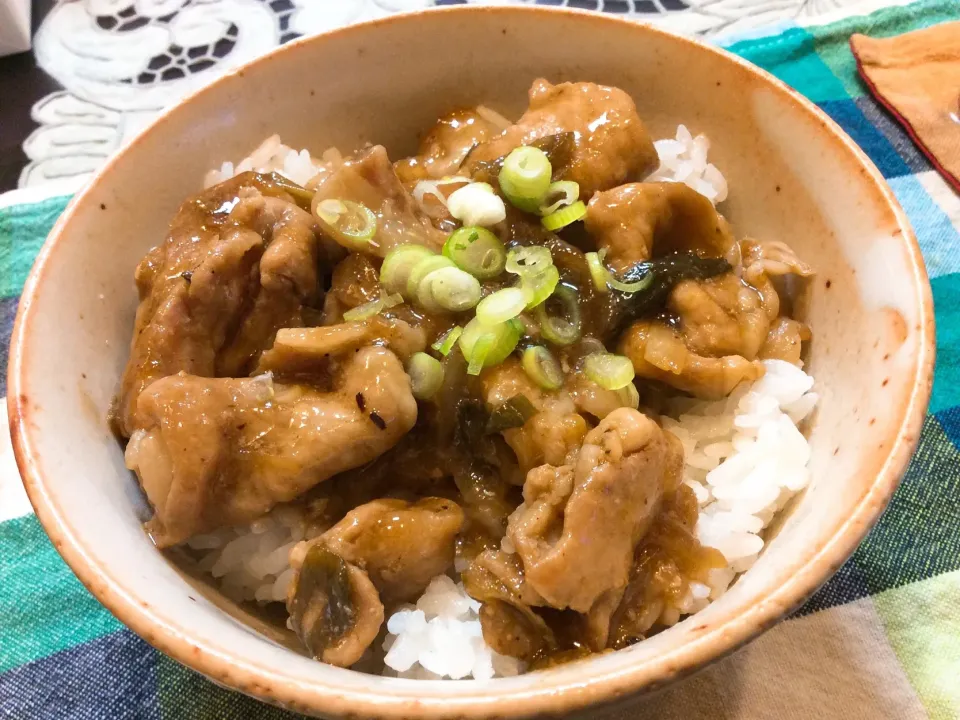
(330, 210)
(530, 260)
(525, 177)
(423, 268)
(629, 287)
(451, 288)
(362, 312)
(445, 344)
(506, 335)
(351, 222)
(564, 216)
(629, 395)
(398, 264)
(502, 305)
(609, 371)
(542, 367)
(476, 250)
(539, 287)
(481, 350)
(374, 307)
(426, 375)
(598, 273)
(563, 329)
(604, 279)
(512, 413)
(569, 192)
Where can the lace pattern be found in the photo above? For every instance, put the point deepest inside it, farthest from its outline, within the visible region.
(122, 61)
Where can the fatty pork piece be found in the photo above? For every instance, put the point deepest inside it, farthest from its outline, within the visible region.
(509, 623)
(610, 143)
(387, 549)
(298, 352)
(658, 352)
(579, 523)
(638, 221)
(223, 451)
(769, 261)
(445, 147)
(401, 545)
(724, 315)
(238, 263)
(370, 180)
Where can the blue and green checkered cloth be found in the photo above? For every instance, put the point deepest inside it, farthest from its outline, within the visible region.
(880, 640)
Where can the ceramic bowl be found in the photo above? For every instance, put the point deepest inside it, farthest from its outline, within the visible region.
(793, 175)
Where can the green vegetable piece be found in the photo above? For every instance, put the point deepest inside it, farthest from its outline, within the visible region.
(525, 177)
(476, 250)
(661, 274)
(512, 413)
(322, 611)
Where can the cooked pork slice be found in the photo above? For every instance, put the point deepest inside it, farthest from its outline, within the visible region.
(638, 221)
(723, 315)
(222, 451)
(579, 523)
(658, 352)
(445, 147)
(369, 179)
(608, 143)
(334, 607)
(206, 304)
(400, 545)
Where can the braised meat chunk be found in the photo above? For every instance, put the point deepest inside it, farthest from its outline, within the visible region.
(610, 143)
(377, 199)
(658, 352)
(642, 220)
(206, 304)
(443, 149)
(578, 525)
(401, 545)
(220, 451)
(334, 608)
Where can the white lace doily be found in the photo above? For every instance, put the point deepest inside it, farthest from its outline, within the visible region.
(122, 61)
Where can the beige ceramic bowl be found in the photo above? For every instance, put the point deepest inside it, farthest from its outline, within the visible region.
(793, 175)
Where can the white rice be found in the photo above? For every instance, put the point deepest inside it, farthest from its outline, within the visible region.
(270, 156)
(440, 638)
(252, 563)
(684, 159)
(745, 458)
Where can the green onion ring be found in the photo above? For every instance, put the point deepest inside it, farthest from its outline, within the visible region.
(398, 264)
(564, 216)
(476, 250)
(542, 367)
(563, 330)
(525, 177)
(569, 192)
(426, 375)
(445, 344)
(608, 370)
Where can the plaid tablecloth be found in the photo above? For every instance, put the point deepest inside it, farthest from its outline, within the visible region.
(880, 640)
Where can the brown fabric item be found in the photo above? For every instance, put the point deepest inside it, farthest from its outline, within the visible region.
(917, 77)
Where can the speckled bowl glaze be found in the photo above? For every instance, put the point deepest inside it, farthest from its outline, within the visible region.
(793, 175)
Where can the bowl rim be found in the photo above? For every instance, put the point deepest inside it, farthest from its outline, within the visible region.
(271, 684)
